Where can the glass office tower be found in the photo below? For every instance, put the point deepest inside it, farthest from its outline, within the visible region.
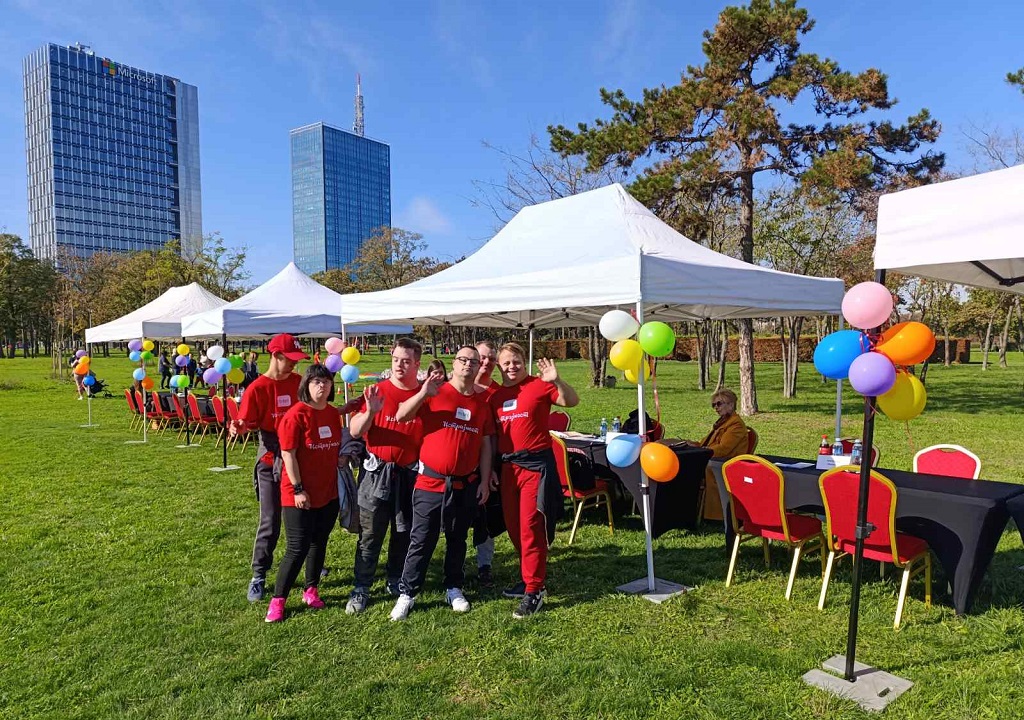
(113, 156)
(341, 193)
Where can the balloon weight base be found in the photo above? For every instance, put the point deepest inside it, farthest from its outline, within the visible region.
(136, 442)
(663, 589)
(225, 469)
(872, 688)
(90, 425)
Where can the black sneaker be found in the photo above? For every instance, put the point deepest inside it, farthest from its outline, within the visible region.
(484, 578)
(532, 602)
(324, 572)
(515, 591)
(394, 588)
(257, 589)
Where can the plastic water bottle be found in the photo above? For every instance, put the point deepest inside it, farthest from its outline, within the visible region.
(837, 447)
(604, 428)
(616, 424)
(857, 454)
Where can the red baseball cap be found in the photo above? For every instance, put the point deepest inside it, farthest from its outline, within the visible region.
(288, 346)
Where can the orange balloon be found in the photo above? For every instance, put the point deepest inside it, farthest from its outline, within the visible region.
(147, 383)
(82, 369)
(907, 343)
(659, 462)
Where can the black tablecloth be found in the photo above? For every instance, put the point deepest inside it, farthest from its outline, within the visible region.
(673, 504)
(961, 520)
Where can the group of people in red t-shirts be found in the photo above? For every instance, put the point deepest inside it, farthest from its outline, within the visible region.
(434, 452)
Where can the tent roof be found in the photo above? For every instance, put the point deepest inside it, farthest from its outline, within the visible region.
(290, 302)
(159, 319)
(566, 262)
(968, 231)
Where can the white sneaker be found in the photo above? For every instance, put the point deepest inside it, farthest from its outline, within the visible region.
(402, 607)
(457, 600)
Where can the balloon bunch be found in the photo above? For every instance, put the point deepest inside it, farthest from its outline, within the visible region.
(654, 338)
(342, 359)
(141, 351)
(229, 366)
(181, 360)
(876, 366)
(82, 366)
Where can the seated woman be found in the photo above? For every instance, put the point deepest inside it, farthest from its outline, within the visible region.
(727, 439)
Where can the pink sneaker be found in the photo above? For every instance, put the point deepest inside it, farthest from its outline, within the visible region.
(275, 613)
(312, 598)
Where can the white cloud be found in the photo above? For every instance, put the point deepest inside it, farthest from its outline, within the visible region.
(424, 217)
(620, 31)
(459, 29)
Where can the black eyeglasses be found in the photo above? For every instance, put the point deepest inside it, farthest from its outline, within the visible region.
(468, 360)
(717, 404)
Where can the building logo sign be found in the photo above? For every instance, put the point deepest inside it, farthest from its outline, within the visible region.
(114, 70)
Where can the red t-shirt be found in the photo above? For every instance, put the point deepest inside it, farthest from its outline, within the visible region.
(315, 436)
(487, 390)
(522, 414)
(454, 428)
(388, 439)
(266, 401)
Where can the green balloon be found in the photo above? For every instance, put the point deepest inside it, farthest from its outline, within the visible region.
(147, 355)
(236, 361)
(657, 339)
(183, 381)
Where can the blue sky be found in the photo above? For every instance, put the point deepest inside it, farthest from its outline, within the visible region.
(442, 77)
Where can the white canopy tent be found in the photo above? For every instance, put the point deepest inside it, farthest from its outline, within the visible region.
(159, 319)
(566, 262)
(968, 231)
(290, 302)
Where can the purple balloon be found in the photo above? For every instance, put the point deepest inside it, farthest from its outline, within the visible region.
(872, 374)
(211, 376)
(334, 363)
(181, 360)
(80, 353)
(135, 345)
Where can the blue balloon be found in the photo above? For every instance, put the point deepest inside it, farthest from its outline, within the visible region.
(88, 380)
(138, 373)
(222, 365)
(350, 373)
(623, 450)
(837, 351)
(135, 355)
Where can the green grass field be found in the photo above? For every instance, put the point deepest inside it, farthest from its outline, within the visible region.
(123, 573)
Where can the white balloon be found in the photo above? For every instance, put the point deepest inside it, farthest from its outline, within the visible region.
(215, 352)
(618, 325)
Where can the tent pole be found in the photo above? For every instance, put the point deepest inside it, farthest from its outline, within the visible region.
(529, 367)
(645, 484)
(344, 385)
(224, 400)
(863, 528)
(839, 397)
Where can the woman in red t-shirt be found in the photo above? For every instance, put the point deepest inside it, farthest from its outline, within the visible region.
(310, 435)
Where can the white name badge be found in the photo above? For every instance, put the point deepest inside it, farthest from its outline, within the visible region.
(325, 432)
(463, 414)
(509, 405)
(284, 401)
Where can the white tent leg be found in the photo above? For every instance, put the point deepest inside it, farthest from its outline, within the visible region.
(645, 483)
(839, 398)
(344, 385)
(529, 368)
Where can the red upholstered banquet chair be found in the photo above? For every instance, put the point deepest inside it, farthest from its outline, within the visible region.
(840, 492)
(136, 415)
(246, 432)
(197, 415)
(580, 499)
(559, 421)
(757, 509)
(949, 460)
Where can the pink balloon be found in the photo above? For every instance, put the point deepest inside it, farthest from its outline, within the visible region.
(867, 305)
(334, 345)
(872, 374)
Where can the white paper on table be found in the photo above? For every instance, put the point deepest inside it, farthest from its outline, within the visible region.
(795, 466)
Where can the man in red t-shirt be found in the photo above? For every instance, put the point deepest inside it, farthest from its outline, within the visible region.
(456, 453)
(265, 402)
(531, 494)
(482, 539)
(385, 483)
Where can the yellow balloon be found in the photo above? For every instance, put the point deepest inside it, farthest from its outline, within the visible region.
(236, 375)
(631, 374)
(350, 356)
(183, 349)
(906, 399)
(147, 345)
(626, 354)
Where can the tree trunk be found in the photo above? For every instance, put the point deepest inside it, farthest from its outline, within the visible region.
(597, 355)
(791, 328)
(923, 377)
(748, 387)
(433, 340)
(1005, 337)
(723, 354)
(987, 343)
(946, 360)
(1020, 326)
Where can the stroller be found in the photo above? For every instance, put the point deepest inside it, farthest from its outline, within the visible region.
(98, 388)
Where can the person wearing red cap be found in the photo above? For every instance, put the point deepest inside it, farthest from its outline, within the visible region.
(265, 402)
(389, 472)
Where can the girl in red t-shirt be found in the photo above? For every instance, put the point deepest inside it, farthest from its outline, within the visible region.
(310, 435)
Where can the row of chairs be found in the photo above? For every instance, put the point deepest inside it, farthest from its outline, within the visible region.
(195, 418)
(757, 505)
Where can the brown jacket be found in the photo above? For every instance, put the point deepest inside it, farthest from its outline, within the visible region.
(727, 439)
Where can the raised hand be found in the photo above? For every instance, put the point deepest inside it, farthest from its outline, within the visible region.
(548, 371)
(374, 400)
(433, 383)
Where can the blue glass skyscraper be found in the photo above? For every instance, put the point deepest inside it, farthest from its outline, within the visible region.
(113, 156)
(341, 194)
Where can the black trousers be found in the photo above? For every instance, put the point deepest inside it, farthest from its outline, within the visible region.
(426, 530)
(306, 533)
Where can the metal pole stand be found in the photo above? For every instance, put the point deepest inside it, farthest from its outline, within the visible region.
(88, 401)
(224, 402)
